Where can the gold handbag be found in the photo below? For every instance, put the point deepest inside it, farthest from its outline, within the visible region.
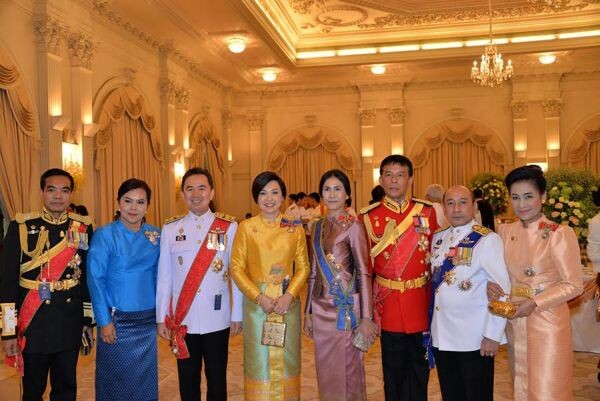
(502, 308)
(273, 333)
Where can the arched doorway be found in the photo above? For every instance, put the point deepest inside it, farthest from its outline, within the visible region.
(126, 146)
(583, 149)
(302, 155)
(453, 151)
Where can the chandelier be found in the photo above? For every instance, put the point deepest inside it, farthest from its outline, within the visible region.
(491, 70)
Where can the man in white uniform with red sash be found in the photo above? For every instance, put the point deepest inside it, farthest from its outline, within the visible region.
(194, 310)
(45, 287)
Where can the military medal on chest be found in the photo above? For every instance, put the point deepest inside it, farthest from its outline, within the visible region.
(216, 239)
(421, 224)
(181, 235)
(217, 265)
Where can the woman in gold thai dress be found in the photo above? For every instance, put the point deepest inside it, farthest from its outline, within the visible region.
(269, 264)
(544, 264)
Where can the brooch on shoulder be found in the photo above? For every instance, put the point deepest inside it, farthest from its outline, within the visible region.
(153, 236)
(547, 228)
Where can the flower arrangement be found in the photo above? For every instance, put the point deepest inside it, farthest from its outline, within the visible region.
(493, 188)
(569, 198)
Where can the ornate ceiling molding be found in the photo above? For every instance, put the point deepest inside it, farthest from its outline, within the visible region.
(50, 34)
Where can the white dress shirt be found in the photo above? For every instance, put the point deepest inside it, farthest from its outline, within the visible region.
(460, 315)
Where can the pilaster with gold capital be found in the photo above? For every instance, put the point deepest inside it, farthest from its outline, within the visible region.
(551, 108)
(520, 110)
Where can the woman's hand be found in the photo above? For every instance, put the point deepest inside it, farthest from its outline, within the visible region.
(108, 333)
(282, 304)
(266, 303)
(308, 326)
(368, 329)
(524, 308)
(494, 291)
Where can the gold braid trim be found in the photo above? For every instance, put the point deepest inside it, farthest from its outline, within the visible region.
(42, 241)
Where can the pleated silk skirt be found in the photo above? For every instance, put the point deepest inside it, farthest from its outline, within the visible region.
(128, 369)
(340, 365)
(271, 373)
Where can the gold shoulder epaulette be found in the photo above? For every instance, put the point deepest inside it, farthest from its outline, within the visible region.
(439, 230)
(367, 209)
(23, 217)
(481, 229)
(174, 218)
(423, 201)
(87, 220)
(224, 216)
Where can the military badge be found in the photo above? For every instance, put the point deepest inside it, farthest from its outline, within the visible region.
(180, 237)
(450, 277)
(226, 275)
(530, 271)
(376, 218)
(152, 236)
(217, 265)
(216, 240)
(465, 285)
(291, 224)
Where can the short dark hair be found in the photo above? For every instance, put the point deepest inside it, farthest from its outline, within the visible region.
(596, 197)
(54, 172)
(377, 194)
(197, 171)
(477, 193)
(315, 196)
(396, 159)
(348, 201)
(531, 173)
(340, 175)
(293, 197)
(262, 180)
(301, 195)
(130, 185)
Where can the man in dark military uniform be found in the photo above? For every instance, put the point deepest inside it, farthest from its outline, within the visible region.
(400, 230)
(45, 286)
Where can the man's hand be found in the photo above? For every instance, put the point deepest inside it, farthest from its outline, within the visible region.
(108, 333)
(282, 304)
(236, 328)
(266, 303)
(488, 347)
(163, 331)
(10, 347)
(494, 291)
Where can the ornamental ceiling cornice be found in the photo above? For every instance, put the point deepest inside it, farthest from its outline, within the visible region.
(102, 8)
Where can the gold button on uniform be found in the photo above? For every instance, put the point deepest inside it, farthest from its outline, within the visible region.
(437, 308)
(68, 300)
(68, 276)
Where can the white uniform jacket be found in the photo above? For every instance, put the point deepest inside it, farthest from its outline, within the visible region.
(179, 244)
(593, 245)
(460, 315)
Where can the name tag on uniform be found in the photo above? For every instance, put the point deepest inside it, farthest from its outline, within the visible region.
(44, 291)
(218, 299)
(180, 237)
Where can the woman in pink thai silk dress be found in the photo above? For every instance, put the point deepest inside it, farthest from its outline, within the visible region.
(339, 301)
(544, 264)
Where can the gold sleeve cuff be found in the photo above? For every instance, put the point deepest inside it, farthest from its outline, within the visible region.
(88, 311)
(8, 319)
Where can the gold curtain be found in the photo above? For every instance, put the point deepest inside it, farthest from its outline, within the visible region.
(127, 147)
(451, 157)
(587, 154)
(208, 154)
(20, 142)
(303, 156)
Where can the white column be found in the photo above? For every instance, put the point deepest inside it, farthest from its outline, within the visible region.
(551, 109)
(519, 112)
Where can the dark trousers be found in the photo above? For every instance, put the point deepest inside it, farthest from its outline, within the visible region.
(405, 369)
(212, 348)
(63, 379)
(465, 376)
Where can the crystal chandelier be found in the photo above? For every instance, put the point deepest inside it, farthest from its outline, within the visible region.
(491, 70)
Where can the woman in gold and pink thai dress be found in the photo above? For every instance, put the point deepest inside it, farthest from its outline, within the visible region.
(339, 302)
(543, 260)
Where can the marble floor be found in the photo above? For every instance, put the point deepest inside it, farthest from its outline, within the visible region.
(586, 386)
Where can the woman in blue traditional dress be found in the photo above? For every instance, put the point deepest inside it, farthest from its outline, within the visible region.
(122, 265)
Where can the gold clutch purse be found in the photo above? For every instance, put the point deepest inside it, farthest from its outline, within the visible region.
(502, 308)
(273, 333)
